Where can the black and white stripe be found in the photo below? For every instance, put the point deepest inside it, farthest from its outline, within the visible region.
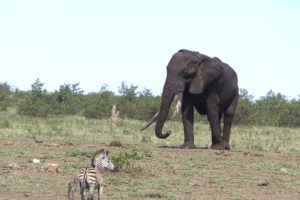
(88, 179)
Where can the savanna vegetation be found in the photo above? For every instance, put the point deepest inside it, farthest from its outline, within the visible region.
(67, 126)
(263, 163)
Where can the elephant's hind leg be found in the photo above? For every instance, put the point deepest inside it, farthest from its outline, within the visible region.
(214, 118)
(228, 118)
(226, 130)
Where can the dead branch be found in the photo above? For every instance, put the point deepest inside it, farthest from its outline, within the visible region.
(114, 116)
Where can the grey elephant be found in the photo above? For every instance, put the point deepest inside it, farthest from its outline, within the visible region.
(207, 84)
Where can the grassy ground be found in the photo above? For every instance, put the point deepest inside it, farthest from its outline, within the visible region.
(264, 162)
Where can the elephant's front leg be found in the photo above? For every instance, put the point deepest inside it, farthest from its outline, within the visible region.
(188, 121)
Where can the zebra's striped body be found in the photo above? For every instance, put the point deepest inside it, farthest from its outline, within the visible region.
(91, 177)
(88, 178)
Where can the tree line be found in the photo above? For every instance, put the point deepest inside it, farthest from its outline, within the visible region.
(273, 109)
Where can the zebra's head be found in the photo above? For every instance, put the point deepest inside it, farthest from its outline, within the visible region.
(100, 160)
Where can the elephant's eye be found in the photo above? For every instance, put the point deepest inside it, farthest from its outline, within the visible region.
(193, 63)
(188, 77)
(189, 72)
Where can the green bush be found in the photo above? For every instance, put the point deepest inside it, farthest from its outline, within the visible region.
(273, 109)
(244, 114)
(68, 100)
(5, 96)
(99, 105)
(124, 161)
(79, 153)
(37, 102)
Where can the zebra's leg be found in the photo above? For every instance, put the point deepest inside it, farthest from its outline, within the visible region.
(72, 188)
(101, 191)
(98, 193)
(92, 188)
(70, 191)
(82, 191)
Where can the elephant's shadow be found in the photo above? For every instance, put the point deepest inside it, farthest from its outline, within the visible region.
(179, 147)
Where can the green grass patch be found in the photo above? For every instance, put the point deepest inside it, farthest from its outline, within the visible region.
(79, 152)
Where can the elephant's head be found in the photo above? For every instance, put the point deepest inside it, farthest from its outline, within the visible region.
(187, 70)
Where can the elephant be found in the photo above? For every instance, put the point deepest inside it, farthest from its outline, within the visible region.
(205, 83)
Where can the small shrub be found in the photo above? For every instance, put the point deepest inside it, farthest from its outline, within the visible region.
(5, 124)
(155, 195)
(124, 161)
(115, 143)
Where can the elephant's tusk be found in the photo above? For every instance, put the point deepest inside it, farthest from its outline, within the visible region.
(176, 111)
(150, 122)
(178, 106)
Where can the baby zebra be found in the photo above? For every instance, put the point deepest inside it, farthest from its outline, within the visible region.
(91, 177)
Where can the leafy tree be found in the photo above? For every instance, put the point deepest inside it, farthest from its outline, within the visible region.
(127, 101)
(68, 99)
(244, 113)
(269, 107)
(37, 103)
(99, 105)
(146, 93)
(289, 114)
(128, 92)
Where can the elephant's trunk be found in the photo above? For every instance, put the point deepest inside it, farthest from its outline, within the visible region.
(166, 101)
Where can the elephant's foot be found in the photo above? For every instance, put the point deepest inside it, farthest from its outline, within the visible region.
(188, 145)
(221, 146)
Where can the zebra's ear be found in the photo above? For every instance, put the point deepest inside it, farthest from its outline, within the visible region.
(106, 153)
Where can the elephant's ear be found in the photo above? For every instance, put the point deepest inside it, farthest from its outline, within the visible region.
(207, 72)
